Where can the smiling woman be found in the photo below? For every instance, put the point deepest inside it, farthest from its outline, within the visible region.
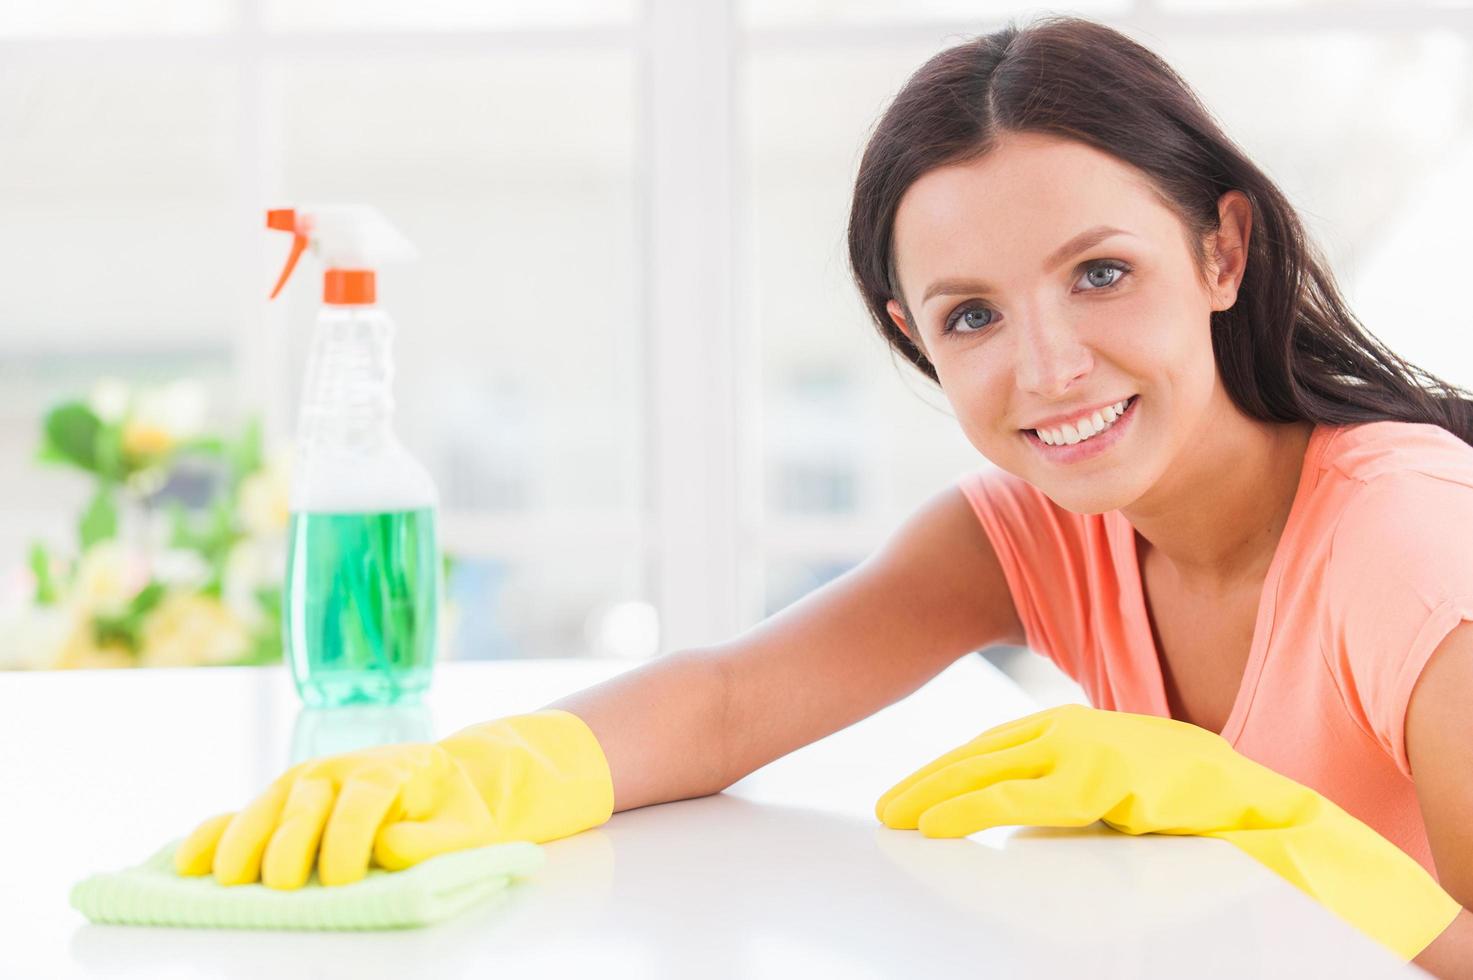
(1217, 498)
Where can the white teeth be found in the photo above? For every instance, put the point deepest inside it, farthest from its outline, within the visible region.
(1092, 425)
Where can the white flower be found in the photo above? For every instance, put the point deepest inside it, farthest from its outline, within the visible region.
(108, 577)
(165, 415)
(180, 567)
(34, 637)
(110, 399)
(177, 407)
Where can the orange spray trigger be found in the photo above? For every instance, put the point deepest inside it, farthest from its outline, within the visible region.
(285, 219)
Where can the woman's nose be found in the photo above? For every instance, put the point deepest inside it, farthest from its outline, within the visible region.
(1050, 357)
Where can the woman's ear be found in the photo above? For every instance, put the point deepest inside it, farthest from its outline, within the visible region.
(898, 316)
(1228, 248)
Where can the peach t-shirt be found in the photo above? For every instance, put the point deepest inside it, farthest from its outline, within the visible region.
(1374, 567)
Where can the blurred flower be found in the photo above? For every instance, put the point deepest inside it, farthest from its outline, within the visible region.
(142, 439)
(265, 500)
(108, 577)
(80, 649)
(33, 634)
(110, 399)
(188, 629)
(164, 416)
(33, 637)
(180, 567)
(194, 581)
(147, 481)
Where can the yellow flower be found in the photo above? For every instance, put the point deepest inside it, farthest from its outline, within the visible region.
(143, 439)
(80, 651)
(187, 629)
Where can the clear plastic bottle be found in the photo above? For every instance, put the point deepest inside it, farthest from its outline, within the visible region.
(364, 576)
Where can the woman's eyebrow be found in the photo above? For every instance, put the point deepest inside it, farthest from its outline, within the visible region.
(1085, 239)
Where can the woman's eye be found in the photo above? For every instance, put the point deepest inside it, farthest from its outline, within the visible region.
(963, 316)
(1105, 266)
(1097, 275)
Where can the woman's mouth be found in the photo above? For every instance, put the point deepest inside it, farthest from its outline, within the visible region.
(1089, 447)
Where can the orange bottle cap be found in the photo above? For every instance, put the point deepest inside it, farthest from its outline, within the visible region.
(348, 287)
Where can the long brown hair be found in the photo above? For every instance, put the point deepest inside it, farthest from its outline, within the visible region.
(1288, 349)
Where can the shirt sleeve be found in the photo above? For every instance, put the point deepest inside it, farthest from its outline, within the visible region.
(1033, 538)
(1399, 579)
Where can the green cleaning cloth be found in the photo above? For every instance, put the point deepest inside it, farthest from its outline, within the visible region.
(153, 894)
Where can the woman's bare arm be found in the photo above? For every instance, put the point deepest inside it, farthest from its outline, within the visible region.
(660, 727)
(694, 722)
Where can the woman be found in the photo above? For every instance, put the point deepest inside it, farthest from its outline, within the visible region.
(1217, 501)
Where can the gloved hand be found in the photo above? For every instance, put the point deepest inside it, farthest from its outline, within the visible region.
(533, 777)
(1072, 765)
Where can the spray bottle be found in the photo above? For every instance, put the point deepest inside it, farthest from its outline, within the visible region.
(363, 577)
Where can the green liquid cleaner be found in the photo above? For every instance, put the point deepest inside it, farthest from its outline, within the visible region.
(361, 617)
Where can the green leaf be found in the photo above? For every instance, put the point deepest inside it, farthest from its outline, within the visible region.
(148, 597)
(117, 630)
(40, 562)
(100, 519)
(204, 446)
(71, 434)
(111, 463)
(266, 648)
(268, 597)
(47, 453)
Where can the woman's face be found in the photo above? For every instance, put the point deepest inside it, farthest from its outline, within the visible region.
(1019, 333)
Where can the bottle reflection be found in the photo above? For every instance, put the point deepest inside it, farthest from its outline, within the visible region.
(329, 731)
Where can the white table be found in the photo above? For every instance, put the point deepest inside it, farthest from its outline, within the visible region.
(786, 873)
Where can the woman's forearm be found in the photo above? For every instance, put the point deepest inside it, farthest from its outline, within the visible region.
(1450, 955)
(660, 727)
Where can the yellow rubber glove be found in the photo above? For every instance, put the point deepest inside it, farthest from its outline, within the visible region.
(1072, 765)
(533, 777)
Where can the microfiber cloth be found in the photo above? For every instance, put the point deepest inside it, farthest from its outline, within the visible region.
(153, 894)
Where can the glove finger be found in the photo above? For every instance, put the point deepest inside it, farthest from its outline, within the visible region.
(1026, 802)
(292, 849)
(238, 853)
(363, 805)
(408, 842)
(196, 853)
(996, 739)
(462, 821)
(1019, 762)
